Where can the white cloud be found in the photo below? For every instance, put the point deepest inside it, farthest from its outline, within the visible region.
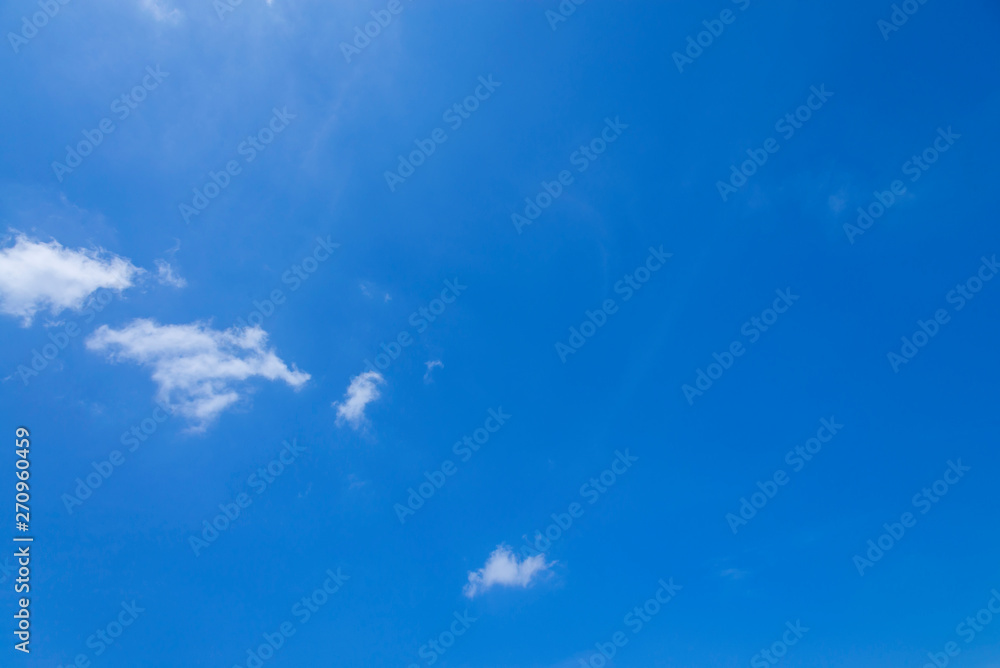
(35, 275)
(362, 391)
(161, 13)
(368, 289)
(503, 568)
(430, 367)
(199, 370)
(166, 275)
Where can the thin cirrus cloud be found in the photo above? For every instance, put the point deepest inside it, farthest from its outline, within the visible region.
(362, 390)
(166, 276)
(431, 365)
(160, 12)
(37, 275)
(503, 569)
(200, 371)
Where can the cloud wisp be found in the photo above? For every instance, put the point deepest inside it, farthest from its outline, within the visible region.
(431, 365)
(166, 276)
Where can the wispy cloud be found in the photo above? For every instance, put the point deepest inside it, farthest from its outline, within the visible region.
(368, 289)
(362, 391)
(165, 275)
(503, 568)
(161, 12)
(35, 275)
(431, 365)
(199, 370)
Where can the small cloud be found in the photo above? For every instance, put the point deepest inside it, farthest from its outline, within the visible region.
(200, 371)
(503, 568)
(362, 391)
(37, 275)
(430, 367)
(173, 249)
(161, 13)
(354, 482)
(368, 289)
(166, 276)
(733, 573)
(837, 203)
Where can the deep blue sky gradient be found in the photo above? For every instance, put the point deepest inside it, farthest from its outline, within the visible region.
(656, 185)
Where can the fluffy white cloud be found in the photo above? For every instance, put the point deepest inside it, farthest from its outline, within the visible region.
(362, 391)
(36, 275)
(503, 568)
(200, 371)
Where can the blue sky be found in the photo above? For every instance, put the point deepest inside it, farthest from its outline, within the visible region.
(214, 277)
